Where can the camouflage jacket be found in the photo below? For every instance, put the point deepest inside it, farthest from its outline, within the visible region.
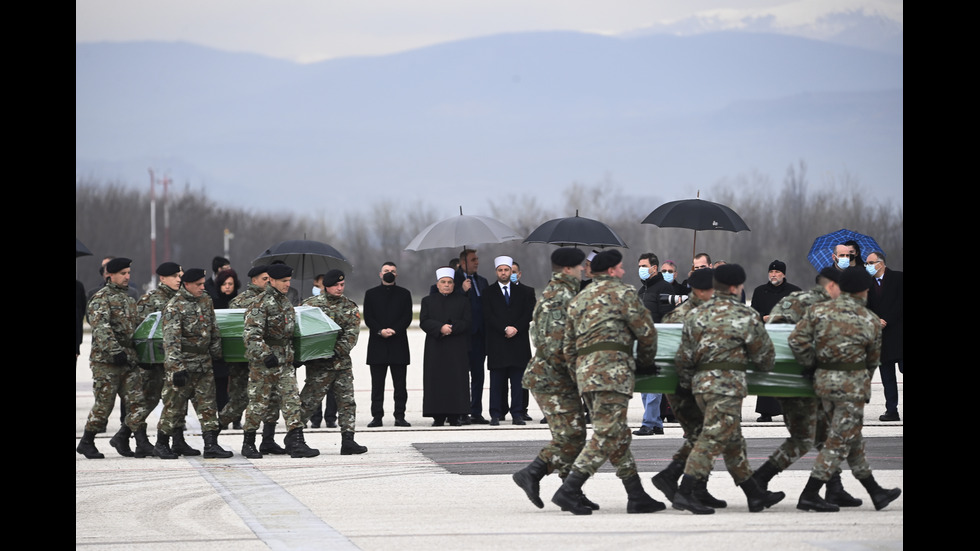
(792, 307)
(720, 339)
(604, 321)
(154, 301)
(269, 326)
(343, 311)
(248, 297)
(191, 338)
(842, 339)
(549, 369)
(681, 314)
(112, 315)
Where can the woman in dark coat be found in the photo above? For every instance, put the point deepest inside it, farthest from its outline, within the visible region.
(226, 287)
(445, 318)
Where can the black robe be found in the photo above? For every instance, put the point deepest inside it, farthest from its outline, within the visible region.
(445, 367)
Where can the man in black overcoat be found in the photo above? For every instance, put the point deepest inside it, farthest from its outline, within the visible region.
(387, 314)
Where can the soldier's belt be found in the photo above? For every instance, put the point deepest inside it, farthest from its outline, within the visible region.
(843, 366)
(728, 366)
(194, 349)
(614, 346)
(278, 342)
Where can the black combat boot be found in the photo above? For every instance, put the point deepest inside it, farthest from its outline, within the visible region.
(248, 446)
(211, 448)
(529, 479)
(758, 498)
(348, 446)
(268, 444)
(879, 496)
(685, 500)
(180, 446)
(120, 441)
(701, 492)
(765, 473)
(583, 500)
(666, 480)
(86, 446)
(296, 444)
(639, 501)
(143, 446)
(837, 495)
(162, 447)
(569, 496)
(810, 499)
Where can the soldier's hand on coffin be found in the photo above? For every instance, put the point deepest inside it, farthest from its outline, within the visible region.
(808, 373)
(271, 361)
(646, 370)
(120, 358)
(180, 378)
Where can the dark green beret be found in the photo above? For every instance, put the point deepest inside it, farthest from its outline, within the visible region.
(568, 257)
(332, 278)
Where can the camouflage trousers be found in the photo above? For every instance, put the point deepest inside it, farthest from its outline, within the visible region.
(691, 418)
(611, 436)
(566, 419)
(805, 427)
(844, 441)
(152, 387)
(319, 381)
(720, 435)
(199, 391)
(108, 381)
(238, 397)
(264, 386)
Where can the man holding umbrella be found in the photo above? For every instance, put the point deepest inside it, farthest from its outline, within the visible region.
(473, 285)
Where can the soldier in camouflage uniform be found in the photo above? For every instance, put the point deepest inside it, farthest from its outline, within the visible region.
(191, 342)
(334, 374)
(112, 315)
(682, 401)
(238, 372)
(604, 321)
(550, 377)
(841, 339)
(268, 336)
(719, 342)
(800, 414)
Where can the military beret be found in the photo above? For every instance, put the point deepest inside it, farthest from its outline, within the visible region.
(606, 259)
(279, 271)
(117, 265)
(701, 279)
(168, 269)
(729, 274)
(830, 273)
(855, 279)
(258, 270)
(567, 256)
(191, 275)
(778, 265)
(332, 278)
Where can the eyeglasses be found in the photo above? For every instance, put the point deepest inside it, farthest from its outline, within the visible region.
(871, 263)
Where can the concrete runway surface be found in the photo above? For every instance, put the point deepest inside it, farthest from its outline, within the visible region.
(447, 488)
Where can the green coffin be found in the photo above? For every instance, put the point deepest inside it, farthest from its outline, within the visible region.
(784, 380)
(314, 337)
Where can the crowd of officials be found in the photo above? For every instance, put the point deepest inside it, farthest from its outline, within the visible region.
(592, 335)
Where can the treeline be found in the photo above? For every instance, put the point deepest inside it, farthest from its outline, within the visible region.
(114, 219)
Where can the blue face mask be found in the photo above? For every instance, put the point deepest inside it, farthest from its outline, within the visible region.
(668, 277)
(871, 269)
(843, 262)
(316, 291)
(644, 273)
(513, 278)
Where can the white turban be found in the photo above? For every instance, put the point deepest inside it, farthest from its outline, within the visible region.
(445, 272)
(591, 255)
(502, 260)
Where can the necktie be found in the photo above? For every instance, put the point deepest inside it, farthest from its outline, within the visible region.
(475, 287)
(507, 294)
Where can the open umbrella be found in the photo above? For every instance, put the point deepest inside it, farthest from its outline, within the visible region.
(308, 259)
(575, 230)
(821, 252)
(697, 215)
(81, 249)
(460, 231)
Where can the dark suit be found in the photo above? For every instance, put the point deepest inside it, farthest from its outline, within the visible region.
(507, 357)
(478, 345)
(887, 301)
(388, 307)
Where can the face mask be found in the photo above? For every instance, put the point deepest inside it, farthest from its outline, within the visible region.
(316, 291)
(388, 277)
(843, 262)
(871, 269)
(513, 278)
(668, 277)
(644, 273)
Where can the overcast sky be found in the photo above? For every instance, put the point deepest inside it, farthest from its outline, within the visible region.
(314, 30)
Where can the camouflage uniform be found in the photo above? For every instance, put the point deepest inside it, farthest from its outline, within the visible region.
(682, 401)
(842, 339)
(722, 338)
(153, 388)
(238, 372)
(604, 322)
(191, 340)
(268, 331)
(334, 374)
(551, 377)
(112, 314)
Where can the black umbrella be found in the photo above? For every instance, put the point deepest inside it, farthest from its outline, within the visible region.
(697, 215)
(575, 230)
(308, 259)
(81, 249)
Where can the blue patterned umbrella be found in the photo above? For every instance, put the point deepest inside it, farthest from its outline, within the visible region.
(821, 252)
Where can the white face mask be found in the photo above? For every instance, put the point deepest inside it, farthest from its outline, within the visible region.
(316, 291)
(843, 262)
(871, 269)
(668, 277)
(644, 273)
